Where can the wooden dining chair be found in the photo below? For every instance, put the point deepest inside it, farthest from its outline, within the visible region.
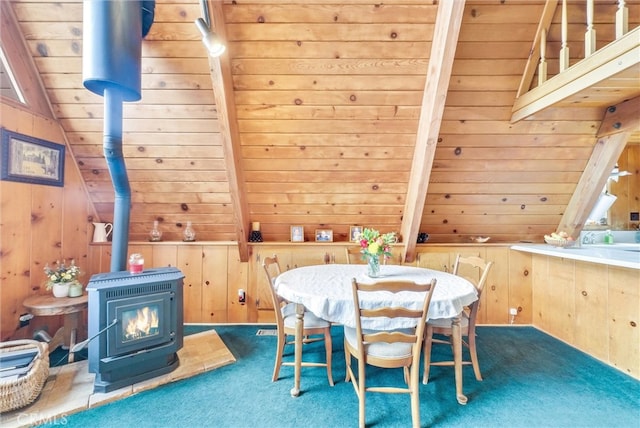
(477, 271)
(286, 320)
(354, 256)
(399, 348)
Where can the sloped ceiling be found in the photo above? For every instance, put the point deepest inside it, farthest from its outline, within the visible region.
(324, 101)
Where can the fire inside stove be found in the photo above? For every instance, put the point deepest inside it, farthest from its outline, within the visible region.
(145, 321)
(140, 323)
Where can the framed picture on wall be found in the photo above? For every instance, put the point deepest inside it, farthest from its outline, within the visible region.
(297, 233)
(31, 160)
(354, 233)
(324, 235)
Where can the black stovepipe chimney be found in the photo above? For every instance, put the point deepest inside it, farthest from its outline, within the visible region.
(111, 67)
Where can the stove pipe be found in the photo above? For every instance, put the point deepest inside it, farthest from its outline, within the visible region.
(111, 67)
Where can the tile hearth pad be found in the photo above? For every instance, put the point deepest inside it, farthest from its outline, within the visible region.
(69, 388)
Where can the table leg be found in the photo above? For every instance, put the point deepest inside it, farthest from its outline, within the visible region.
(295, 391)
(57, 340)
(457, 358)
(71, 322)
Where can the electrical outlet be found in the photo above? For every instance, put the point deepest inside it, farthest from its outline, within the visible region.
(513, 311)
(24, 319)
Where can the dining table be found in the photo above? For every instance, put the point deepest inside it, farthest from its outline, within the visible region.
(325, 290)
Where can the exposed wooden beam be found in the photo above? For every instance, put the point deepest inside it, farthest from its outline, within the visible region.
(22, 65)
(619, 122)
(443, 49)
(621, 118)
(222, 80)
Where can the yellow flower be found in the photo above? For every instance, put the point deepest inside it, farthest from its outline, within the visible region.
(61, 273)
(373, 248)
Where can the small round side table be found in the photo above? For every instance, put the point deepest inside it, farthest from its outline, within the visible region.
(70, 307)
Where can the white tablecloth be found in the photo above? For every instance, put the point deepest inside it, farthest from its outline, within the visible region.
(325, 290)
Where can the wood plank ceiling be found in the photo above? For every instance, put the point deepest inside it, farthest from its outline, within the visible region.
(327, 99)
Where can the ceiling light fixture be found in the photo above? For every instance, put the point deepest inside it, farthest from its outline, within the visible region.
(616, 173)
(211, 41)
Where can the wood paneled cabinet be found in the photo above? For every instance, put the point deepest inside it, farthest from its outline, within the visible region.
(205, 284)
(443, 258)
(593, 307)
(214, 274)
(289, 257)
(502, 289)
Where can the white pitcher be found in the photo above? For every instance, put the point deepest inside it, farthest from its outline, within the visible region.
(101, 231)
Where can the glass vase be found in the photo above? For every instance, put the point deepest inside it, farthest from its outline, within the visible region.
(155, 235)
(373, 266)
(189, 235)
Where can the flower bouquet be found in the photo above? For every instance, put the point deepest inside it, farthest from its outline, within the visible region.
(63, 279)
(373, 246)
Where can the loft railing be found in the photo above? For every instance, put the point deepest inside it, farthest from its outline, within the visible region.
(596, 66)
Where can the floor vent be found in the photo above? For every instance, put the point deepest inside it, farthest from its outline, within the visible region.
(270, 332)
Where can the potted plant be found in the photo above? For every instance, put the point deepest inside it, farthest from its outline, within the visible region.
(62, 279)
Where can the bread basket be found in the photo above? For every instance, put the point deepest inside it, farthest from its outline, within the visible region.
(561, 243)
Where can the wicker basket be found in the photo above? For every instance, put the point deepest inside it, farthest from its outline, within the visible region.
(20, 392)
(560, 243)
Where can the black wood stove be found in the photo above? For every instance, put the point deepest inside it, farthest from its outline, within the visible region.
(138, 323)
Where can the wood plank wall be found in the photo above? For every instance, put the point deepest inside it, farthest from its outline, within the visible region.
(328, 97)
(345, 144)
(38, 225)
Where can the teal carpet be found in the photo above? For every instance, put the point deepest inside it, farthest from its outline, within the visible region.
(530, 380)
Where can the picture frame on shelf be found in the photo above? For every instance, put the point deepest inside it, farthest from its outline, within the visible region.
(31, 160)
(324, 235)
(354, 233)
(297, 233)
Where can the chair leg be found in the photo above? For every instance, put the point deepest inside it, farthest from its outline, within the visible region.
(428, 339)
(362, 389)
(328, 348)
(347, 361)
(361, 419)
(415, 403)
(474, 355)
(279, 351)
